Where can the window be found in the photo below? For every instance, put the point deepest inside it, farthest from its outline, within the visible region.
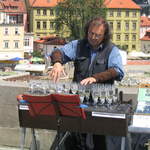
(16, 44)
(57, 12)
(126, 37)
(51, 12)
(118, 25)
(44, 12)
(133, 47)
(38, 35)
(6, 31)
(16, 31)
(127, 26)
(118, 37)
(119, 13)
(134, 14)
(111, 25)
(134, 37)
(38, 12)
(125, 47)
(26, 42)
(52, 25)
(111, 13)
(44, 25)
(38, 25)
(13, 19)
(6, 44)
(127, 13)
(134, 25)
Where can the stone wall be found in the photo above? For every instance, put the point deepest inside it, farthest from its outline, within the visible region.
(9, 123)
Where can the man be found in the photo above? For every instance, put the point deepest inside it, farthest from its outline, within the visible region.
(96, 60)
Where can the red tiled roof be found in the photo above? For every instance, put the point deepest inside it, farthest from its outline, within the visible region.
(138, 62)
(146, 36)
(13, 6)
(43, 3)
(145, 21)
(51, 40)
(129, 4)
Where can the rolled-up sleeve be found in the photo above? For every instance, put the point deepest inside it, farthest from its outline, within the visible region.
(69, 51)
(115, 61)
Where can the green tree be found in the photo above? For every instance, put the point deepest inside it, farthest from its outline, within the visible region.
(37, 54)
(74, 14)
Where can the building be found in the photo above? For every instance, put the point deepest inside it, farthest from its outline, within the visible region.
(41, 15)
(13, 12)
(144, 25)
(13, 17)
(145, 42)
(28, 42)
(123, 17)
(124, 20)
(11, 41)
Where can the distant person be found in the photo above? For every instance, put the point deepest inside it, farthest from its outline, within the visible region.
(96, 60)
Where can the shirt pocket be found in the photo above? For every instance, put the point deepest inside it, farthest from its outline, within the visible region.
(100, 66)
(81, 63)
(100, 61)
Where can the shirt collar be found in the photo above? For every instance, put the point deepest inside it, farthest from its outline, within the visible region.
(99, 47)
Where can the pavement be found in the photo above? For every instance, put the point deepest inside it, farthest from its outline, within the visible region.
(10, 148)
(137, 68)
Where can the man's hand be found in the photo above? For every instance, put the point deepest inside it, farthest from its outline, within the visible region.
(88, 80)
(56, 71)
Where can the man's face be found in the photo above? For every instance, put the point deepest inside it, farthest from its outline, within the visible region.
(96, 35)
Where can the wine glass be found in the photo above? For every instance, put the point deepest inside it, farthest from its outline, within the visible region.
(47, 59)
(81, 92)
(31, 86)
(95, 94)
(52, 87)
(87, 93)
(74, 88)
(59, 87)
(67, 87)
(109, 94)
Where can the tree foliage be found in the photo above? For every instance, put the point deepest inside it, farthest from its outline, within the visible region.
(74, 14)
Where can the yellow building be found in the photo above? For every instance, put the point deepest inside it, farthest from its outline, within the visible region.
(124, 20)
(123, 17)
(41, 17)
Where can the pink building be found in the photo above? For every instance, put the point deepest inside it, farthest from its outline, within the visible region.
(13, 12)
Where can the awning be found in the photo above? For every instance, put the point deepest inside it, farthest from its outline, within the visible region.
(10, 60)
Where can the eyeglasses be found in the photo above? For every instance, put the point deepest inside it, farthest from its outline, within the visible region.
(97, 36)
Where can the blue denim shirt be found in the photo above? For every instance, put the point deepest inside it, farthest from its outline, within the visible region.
(114, 61)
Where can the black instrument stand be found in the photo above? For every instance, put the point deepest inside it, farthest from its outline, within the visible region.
(71, 106)
(60, 137)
